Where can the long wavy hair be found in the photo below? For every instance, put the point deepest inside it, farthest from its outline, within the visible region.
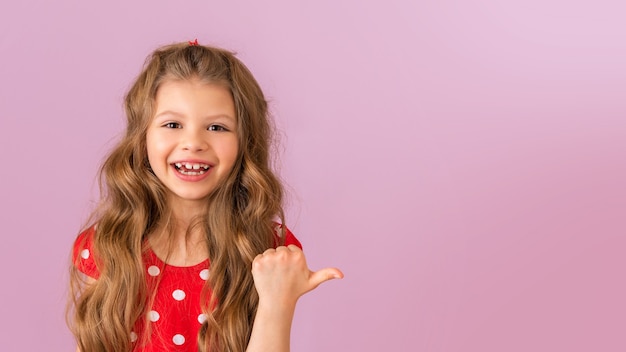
(238, 224)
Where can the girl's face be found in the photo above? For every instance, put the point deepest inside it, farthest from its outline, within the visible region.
(192, 139)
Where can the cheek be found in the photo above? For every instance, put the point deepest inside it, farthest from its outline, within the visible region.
(233, 151)
(155, 148)
(228, 151)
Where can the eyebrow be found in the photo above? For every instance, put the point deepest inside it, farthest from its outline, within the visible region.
(168, 112)
(171, 112)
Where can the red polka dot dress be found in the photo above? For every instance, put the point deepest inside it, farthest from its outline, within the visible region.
(175, 315)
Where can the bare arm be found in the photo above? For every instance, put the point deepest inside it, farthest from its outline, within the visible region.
(281, 277)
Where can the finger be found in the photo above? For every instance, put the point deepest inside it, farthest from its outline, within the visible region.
(269, 250)
(323, 275)
(282, 249)
(294, 248)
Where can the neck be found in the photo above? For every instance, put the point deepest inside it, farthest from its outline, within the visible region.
(185, 211)
(182, 241)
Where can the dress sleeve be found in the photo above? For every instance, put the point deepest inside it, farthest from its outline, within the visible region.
(83, 256)
(289, 236)
(291, 239)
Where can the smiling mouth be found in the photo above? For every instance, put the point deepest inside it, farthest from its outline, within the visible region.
(191, 169)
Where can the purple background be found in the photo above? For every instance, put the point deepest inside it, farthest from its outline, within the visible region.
(463, 162)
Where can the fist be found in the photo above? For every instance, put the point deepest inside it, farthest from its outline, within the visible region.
(282, 275)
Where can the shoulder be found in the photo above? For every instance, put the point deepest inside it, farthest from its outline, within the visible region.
(83, 253)
(290, 238)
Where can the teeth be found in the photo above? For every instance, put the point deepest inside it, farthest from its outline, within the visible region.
(190, 168)
(191, 173)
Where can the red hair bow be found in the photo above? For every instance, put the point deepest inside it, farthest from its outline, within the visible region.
(194, 43)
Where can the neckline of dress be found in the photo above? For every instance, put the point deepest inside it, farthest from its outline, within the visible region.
(204, 263)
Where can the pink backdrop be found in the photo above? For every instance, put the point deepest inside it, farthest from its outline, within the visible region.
(463, 162)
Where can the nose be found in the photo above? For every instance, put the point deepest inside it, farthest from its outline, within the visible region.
(194, 141)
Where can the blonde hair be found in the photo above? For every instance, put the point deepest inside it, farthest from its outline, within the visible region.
(238, 224)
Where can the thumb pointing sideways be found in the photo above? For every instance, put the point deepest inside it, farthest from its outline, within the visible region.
(320, 276)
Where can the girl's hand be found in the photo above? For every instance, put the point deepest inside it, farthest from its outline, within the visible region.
(282, 275)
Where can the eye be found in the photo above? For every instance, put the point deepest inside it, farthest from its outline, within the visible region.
(172, 125)
(217, 128)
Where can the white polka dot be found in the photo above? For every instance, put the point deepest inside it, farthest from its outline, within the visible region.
(154, 270)
(204, 274)
(179, 295)
(84, 253)
(133, 336)
(154, 316)
(178, 339)
(201, 318)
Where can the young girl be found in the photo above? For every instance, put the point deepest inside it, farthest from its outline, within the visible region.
(185, 252)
